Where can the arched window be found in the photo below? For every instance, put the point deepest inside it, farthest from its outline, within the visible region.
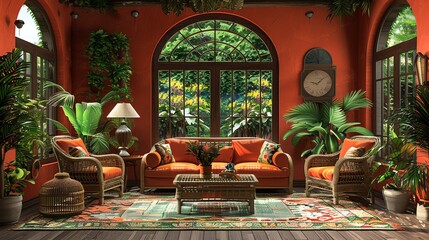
(394, 73)
(215, 75)
(36, 40)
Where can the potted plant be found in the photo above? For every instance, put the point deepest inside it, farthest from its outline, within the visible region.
(325, 123)
(85, 119)
(205, 154)
(402, 175)
(19, 130)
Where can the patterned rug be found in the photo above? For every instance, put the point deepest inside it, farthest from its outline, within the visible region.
(155, 212)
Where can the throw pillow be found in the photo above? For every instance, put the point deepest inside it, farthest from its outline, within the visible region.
(246, 150)
(77, 152)
(225, 154)
(348, 143)
(180, 149)
(355, 152)
(165, 153)
(267, 151)
(64, 144)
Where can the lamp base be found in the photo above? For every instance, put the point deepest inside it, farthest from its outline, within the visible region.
(123, 153)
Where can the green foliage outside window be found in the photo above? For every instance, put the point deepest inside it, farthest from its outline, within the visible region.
(403, 28)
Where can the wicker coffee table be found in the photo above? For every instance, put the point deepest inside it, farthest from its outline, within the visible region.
(193, 188)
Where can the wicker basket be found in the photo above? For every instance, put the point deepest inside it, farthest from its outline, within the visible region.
(61, 196)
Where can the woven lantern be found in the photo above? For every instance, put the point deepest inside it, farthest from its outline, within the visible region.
(61, 196)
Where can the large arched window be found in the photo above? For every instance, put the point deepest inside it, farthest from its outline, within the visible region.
(36, 40)
(394, 73)
(215, 75)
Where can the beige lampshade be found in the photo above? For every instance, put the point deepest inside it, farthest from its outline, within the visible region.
(123, 110)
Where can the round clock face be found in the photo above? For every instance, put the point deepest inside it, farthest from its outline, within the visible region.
(317, 83)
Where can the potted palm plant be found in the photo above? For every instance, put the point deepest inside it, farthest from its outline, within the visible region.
(325, 123)
(19, 125)
(84, 117)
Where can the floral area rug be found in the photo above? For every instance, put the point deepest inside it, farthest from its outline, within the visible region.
(135, 211)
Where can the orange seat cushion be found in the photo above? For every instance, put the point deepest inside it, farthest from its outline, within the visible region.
(246, 150)
(322, 172)
(348, 143)
(179, 150)
(261, 170)
(225, 154)
(64, 144)
(170, 170)
(111, 172)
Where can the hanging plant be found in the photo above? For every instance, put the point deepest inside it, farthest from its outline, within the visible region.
(97, 4)
(177, 6)
(347, 7)
(109, 61)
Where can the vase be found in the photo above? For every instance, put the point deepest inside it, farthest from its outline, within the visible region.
(205, 171)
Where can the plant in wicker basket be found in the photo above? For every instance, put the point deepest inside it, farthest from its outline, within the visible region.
(205, 153)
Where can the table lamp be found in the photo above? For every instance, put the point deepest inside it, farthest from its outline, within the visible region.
(123, 133)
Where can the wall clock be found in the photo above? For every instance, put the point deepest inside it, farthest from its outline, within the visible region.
(318, 76)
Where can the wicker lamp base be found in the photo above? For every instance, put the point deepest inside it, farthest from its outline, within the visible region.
(61, 196)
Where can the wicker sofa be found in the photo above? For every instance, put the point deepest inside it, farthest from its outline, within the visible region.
(243, 152)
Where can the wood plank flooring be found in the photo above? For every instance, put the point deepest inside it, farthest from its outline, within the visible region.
(414, 229)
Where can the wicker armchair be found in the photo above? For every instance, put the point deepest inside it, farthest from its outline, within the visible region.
(348, 175)
(91, 171)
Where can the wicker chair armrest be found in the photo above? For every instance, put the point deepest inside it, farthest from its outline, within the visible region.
(320, 160)
(110, 160)
(82, 163)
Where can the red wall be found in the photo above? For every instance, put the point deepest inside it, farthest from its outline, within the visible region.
(291, 32)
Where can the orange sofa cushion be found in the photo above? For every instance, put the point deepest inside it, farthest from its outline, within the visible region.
(170, 170)
(225, 154)
(280, 160)
(179, 150)
(111, 172)
(367, 144)
(64, 144)
(261, 170)
(246, 150)
(322, 172)
(153, 159)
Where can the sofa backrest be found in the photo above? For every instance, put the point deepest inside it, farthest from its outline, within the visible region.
(220, 141)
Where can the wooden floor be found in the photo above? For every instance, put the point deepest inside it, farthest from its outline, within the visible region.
(413, 229)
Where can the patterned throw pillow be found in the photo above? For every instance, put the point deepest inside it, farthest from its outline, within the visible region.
(77, 152)
(355, 152)
(267, 151)
(165, 152)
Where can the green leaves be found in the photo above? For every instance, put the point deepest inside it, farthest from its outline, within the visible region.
(347, 7)
(325, 123)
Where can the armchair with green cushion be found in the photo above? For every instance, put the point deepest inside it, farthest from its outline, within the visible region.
(97, 173)
(346, 172)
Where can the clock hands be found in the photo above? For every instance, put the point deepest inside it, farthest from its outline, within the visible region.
(317, 83)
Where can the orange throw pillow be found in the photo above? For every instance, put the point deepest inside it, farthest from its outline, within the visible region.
(348, 143)
(246, 150)
(179, 150)
(65, 144)
(225, 154)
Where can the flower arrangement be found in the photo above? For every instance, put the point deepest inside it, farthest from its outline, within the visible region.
(205, 153)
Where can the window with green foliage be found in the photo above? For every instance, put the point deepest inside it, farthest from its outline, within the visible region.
(394, 72)
(214, 75)
(39, 53)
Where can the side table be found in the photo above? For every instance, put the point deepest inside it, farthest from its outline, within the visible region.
(131, 161)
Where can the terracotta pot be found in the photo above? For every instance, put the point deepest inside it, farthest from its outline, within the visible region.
(205, 171)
